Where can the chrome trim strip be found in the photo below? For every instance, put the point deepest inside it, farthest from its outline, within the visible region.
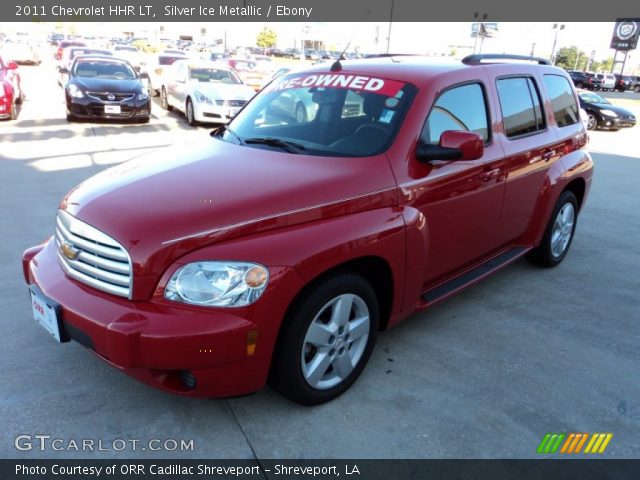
(275, 215)
(92, 282)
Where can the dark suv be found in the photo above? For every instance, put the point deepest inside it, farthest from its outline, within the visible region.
(585, 80)
(624, 82)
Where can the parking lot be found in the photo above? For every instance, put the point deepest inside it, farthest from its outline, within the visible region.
(485, 374)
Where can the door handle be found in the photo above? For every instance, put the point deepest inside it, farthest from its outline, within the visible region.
(487, 175)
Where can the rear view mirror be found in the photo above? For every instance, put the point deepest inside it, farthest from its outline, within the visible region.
(453, 145)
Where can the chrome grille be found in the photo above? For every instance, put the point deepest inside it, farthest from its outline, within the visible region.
(99, 262)
(231, 103)
(116, 97)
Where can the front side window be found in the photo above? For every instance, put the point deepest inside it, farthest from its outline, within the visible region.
(565, 108)
(330, 114)
(459, 108)
(520, 105)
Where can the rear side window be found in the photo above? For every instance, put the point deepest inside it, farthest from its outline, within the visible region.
(565, 108)
(520, 104)
(460, 108)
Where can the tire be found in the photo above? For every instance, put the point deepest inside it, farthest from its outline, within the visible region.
(592, 123)
(301, 114)
(70, 118)
(579, 85)
(312, 371)
(164, 100)
(559, 232)
(636, 89)
(13, 114)
(189, 113)
(144, 120)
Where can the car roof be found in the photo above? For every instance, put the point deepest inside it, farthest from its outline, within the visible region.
(418, 70)
(204, 64)
(101, 58)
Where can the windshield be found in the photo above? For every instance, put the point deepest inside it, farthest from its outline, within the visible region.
(104, 70)
(213, 75)
(329, 114)
(593, 98)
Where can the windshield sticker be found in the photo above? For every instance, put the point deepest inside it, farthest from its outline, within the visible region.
(386, 116)
(391, 102)
(388, 88)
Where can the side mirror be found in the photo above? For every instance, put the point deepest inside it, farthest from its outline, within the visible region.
(454, 145)
(63, 70)
(12, 65)
(144, 75)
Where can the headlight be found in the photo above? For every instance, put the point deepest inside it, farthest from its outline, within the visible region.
(75, 92)
(200, 98)
(218, 284)
(144, 94)
(609, 113)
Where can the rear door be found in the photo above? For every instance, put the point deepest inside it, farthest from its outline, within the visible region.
(531, 144)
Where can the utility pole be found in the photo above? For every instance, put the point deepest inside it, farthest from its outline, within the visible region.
(557, 29)
(476, 17)
(390, 22)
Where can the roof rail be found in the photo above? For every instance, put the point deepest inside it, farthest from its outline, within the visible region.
(478, 59)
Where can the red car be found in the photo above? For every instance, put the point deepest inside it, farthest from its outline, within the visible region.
(279, 247)
(67, 43)
(10, 89)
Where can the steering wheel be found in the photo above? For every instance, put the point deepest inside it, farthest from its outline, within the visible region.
(373, 129)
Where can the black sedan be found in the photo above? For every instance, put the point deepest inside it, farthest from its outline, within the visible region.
(603, 114)
(106, 88)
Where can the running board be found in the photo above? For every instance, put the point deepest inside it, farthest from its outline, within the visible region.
(473, 275)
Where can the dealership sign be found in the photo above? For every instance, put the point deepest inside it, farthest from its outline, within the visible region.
(625, 35)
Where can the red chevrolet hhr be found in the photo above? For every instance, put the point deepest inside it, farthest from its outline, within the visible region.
(339, 201)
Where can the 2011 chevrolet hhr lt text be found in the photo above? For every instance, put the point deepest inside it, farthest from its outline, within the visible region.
(339, 201)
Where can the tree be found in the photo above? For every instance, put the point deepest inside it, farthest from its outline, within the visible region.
(266, 38)
(567, 56)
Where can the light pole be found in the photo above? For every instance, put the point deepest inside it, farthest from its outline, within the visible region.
(476, 17)
(390, 23)
(556, 28)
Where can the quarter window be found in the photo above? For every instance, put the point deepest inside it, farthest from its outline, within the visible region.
(565, 108)
(460, 108)
(520, 104)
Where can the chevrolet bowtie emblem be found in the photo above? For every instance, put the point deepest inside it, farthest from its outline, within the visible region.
(69, 251)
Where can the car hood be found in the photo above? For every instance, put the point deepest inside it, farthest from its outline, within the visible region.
(224, 91)
(615, 108)
(168, 203)
(106, 85)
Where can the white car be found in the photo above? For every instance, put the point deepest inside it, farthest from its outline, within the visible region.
(21, 51)
(204, 91)
(608, 81)
(158, 67)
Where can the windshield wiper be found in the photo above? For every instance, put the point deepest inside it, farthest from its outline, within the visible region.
(226, 128)
(290, 147)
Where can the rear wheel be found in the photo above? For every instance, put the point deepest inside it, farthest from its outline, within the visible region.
(326, 340)
(164, 100)
(558, 234)
(13, 114)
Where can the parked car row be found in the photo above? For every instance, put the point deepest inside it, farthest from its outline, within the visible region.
(604, 81)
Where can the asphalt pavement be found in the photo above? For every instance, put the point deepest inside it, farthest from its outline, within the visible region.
(485, 374)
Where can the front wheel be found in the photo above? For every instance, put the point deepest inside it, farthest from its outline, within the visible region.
(592, 122)
(558, 234)
(326, 340)
(189, 113)
(164, 100)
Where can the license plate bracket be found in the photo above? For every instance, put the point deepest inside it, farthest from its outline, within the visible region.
(47, 313)
(113, 109)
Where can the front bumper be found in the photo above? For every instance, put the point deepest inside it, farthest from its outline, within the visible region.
(206, 112)
(90, 108)
(615, 123)
(183, 349)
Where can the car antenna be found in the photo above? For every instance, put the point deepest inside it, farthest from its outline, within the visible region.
(337, 66)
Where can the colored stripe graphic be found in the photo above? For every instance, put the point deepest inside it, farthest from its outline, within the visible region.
(550, 442)
(573, 442)
(598, 443)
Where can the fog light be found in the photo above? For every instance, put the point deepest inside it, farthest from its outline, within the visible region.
(188, 379)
